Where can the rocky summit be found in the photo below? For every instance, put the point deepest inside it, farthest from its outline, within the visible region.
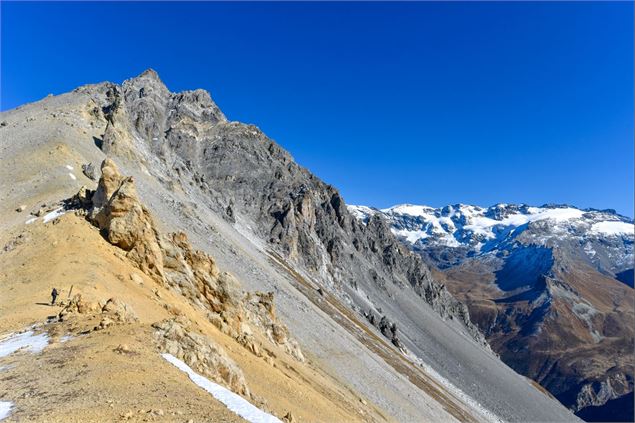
(203, 275)
(551, 288)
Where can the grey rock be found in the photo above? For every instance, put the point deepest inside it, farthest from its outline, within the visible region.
(89, 170)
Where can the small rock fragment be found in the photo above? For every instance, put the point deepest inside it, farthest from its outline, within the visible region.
(123, 349)
(89, 170)
(136, 278)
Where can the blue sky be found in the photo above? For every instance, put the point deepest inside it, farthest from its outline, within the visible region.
(428, 103)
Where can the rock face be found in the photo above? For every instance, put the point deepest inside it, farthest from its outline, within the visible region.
(124, 221)
(89, 170)
(302, 218)
(386, 327)
(547, 285)
(111, 312)
(170, 259)
(176, 337)
(261, 313)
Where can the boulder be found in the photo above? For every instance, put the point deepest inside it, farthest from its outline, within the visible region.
(124, 221)
(119, 311)
(175, 336)
(89, 170)
(78, 305)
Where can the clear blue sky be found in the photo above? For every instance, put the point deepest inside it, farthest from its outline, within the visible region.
(431, 103)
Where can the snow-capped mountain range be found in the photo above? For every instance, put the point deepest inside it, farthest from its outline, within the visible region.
(603, 237)
(551, 287)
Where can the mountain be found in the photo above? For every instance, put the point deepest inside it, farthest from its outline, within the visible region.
(233, 257)
(551, 288)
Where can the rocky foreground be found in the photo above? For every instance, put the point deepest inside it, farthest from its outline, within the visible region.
(166, 297)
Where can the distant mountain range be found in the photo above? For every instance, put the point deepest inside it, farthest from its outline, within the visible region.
(550, 287)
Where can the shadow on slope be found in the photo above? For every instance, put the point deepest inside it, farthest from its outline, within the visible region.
(616, 410)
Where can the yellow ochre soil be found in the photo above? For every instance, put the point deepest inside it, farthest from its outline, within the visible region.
(117, 373)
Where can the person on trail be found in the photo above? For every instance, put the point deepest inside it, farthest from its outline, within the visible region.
(54, 294)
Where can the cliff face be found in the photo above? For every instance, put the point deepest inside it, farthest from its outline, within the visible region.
(255, 183)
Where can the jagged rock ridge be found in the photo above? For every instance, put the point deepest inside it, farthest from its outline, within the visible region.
(302, 218)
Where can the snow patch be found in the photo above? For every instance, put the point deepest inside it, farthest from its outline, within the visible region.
(613, 228)
(53, 215)
(588, 249)
(410, 209)
(233, 401)
(5, 409)
(483, 225)
(47, 217)
(361, 213)
(410, 236)
(25, 340)
(414, 236)
(65, 338)
(557, 214)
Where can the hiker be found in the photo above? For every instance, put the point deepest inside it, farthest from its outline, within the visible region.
(54, 295)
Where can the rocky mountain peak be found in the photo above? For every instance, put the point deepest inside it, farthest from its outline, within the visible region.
(145, 84)
(196, 104)
(256, 184)
(149, 74)
(146, 120)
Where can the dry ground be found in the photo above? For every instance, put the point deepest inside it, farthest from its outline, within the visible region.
(90, 378)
